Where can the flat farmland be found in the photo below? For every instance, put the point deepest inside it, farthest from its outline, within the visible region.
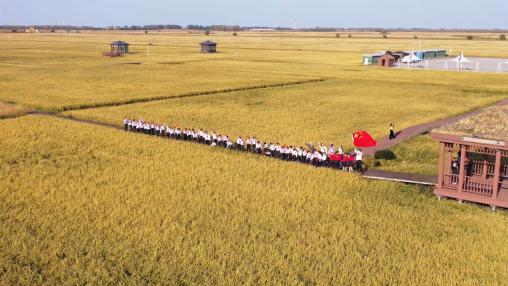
(328, 111)
(73, 76)
(87, 204)
(83, 204)
(68, 71)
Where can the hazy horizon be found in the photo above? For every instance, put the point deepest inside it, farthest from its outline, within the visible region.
(431, 14)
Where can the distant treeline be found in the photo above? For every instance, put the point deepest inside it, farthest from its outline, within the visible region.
(235, 28)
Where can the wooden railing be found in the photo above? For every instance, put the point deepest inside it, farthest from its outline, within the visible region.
(478, 166)
(450, 181)
(477, 186)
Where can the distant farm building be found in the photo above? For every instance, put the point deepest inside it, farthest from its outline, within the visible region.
(373, 59)
(208, 47)
(387, 60)
(473, 162)
(119, 47)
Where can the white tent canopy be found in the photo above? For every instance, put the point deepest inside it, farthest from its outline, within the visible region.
(411, 58)
(461, 59)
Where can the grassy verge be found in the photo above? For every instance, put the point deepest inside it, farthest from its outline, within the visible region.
(417, 155)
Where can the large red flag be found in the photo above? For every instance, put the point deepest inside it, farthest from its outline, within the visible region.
(363, 139)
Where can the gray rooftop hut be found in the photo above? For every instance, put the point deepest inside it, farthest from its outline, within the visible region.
(208, 47)
(119, 47)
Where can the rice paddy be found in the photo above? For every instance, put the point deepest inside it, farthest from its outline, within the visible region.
(99, 206)
(88, 204)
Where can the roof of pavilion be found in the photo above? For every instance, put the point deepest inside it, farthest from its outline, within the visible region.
(491, 124)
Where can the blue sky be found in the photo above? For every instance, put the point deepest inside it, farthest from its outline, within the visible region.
(287, 13)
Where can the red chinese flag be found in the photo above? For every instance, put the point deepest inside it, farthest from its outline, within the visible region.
(363, 139)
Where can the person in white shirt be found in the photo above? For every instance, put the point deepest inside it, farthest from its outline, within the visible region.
(294, 153)
(322, 148)
(331, 150)
(126, 123)
(207, 138)
(358, 160)
(324, 159)
(169, 131)
(229, 144)
(271, 148)
(341, 150)
(239, 143)
(258, 147)
(308, 157)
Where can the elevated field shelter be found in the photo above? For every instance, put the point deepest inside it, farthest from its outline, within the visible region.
(119, 47)
(208, 47)
(473, 160)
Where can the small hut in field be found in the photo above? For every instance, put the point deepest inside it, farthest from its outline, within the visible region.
(119, 47)
(387, 60)
(208, 47)
(473, 163)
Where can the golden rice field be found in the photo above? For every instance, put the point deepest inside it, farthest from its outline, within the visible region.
(87, 204)
(90, 205)
(326, 112)
(58, 71)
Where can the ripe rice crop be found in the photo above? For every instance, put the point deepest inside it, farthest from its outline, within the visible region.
(60, 71)
(83, 204)
(324, 112)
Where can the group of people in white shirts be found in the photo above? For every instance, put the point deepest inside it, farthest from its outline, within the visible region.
(317, 155)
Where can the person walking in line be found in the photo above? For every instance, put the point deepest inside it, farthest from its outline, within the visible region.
(392, 131)
(126, 123)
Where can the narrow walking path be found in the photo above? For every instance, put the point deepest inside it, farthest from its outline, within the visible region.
(419, 179)
(71, 118)
(404, 134)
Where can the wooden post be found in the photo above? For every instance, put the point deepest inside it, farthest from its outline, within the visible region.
(462, 167)
(485, 170)
(450, 157)
(497, 174)
(441, 164)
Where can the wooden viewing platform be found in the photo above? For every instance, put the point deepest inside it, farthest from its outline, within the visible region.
(473, 159)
